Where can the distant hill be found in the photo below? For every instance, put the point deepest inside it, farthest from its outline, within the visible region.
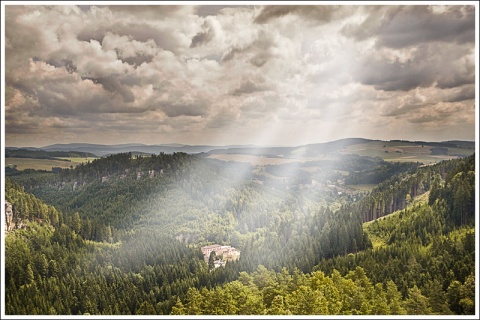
(102, 150)
(45, 154)
(380, 148)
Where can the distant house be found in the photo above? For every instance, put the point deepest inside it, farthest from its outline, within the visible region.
(208, 249)
(219, 263)
(223, 253)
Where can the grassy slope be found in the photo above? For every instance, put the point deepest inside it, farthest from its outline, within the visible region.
(381, 240)
(43, 164)
(396, 151)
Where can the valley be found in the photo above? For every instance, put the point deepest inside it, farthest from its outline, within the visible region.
(338, 219)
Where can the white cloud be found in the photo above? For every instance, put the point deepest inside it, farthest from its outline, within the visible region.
(192, 75)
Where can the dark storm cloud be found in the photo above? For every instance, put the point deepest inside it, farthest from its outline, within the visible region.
(13, 125)
(415, 24)
(260, 48)
(221, 120)
(91, 32)
(403, 26)
(201, 38)
(138, 59)
(181, 108)
(209, 10)
(248, 87)
(149, 11)
(65, 63)
(456, 79)
(144, 32)
(50, 91)
(425, 119)
(405, 109)
(85, 8)
(433, 64)
(140, 23)
(319, 13)
(260, 59)
(231, 53)
(58, 98)
(212, 10)
(464, 94)
(439, 115)
(391, 76)
(204, 36)
(112, 84)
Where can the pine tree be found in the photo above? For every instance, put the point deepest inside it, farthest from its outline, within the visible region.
(194, 302)
(417, 303)
(467, 293)
(211, 260)
(177, 309)
(30, 275)
(454, 296)
(379, 303)
(394, 299)
(278, 307)
(437, 298)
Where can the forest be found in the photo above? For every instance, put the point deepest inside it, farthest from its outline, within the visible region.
(121, 235)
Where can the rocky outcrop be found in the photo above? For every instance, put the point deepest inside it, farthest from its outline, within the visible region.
(9, 225)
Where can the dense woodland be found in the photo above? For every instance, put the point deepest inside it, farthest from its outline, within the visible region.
(122, 235)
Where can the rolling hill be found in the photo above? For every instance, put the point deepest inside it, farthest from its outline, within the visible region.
(394, 150)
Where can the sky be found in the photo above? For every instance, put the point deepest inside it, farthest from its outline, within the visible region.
(223, 74)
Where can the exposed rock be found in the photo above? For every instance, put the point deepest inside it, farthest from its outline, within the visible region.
(151, 173)
(9, 225)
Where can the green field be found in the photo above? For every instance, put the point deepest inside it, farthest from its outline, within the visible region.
(253, 160)
(43, 164)
(79, 160)
(404, 152)
(362, 187)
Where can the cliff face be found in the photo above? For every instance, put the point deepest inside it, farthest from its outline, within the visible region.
(9, 225)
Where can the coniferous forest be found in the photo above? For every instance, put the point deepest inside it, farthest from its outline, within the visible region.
(122, 235)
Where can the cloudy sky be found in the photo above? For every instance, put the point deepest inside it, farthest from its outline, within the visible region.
(253, 74)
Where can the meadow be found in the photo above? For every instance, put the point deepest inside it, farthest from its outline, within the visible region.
(396, 151)
(44, 164)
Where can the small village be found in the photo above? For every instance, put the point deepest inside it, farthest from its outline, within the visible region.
(222, 254)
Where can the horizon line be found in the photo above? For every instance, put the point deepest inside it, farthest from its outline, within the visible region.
(233, 144)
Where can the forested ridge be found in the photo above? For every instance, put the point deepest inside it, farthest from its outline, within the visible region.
(425, 267)
(125, 232)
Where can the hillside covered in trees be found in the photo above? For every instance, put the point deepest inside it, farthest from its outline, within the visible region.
(122, 235)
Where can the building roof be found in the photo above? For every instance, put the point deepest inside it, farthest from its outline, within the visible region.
(211, 246)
